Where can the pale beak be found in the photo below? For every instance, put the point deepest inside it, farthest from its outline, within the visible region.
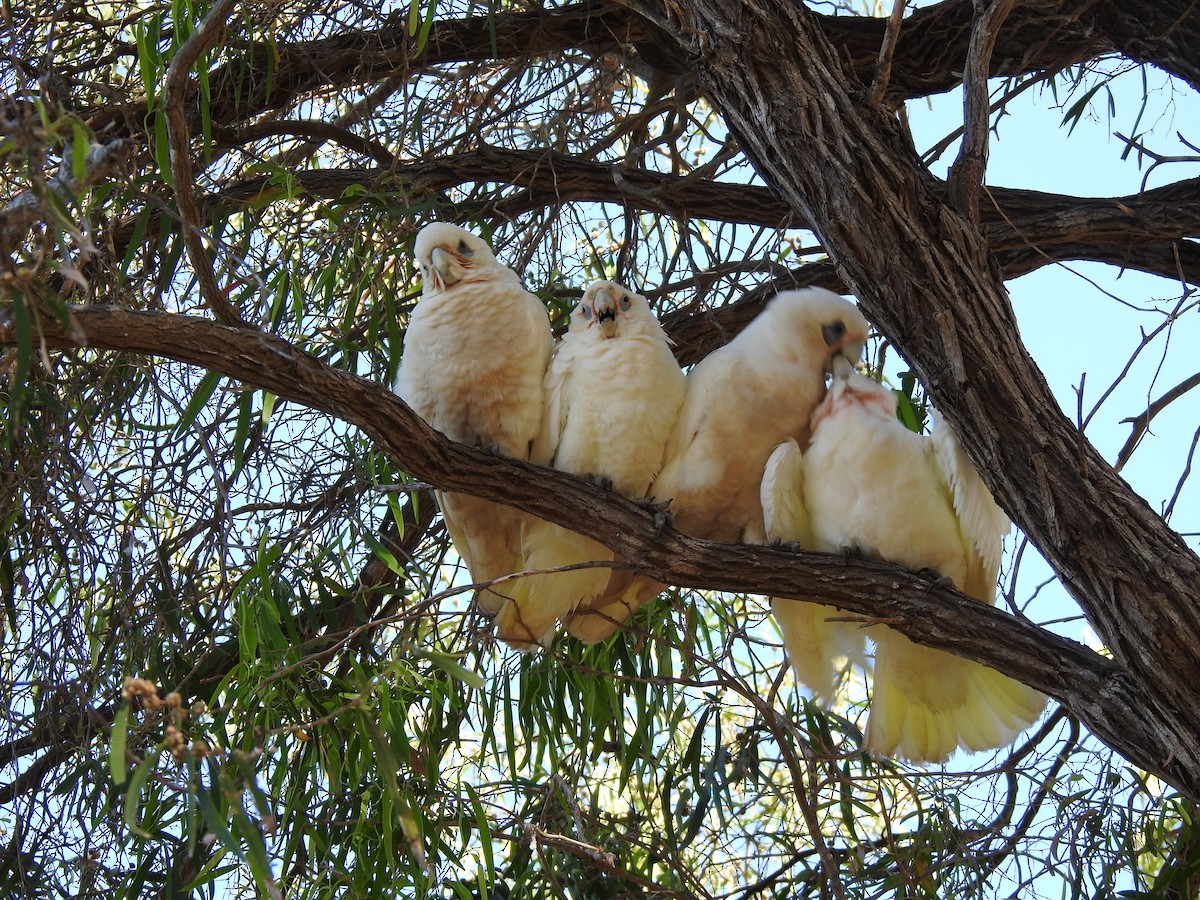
(605, 308)
(442, 268)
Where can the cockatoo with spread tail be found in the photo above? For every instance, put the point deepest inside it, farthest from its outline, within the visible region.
(613, 392)
(474, 359)
(742, 400)
(870, 484)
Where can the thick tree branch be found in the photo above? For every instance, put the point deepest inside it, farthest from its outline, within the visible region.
(1093, 688)
(925, 276)
(928, 56)
(966, 174)
(1026, 229)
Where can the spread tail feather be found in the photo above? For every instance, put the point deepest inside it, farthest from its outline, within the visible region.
(926, 703)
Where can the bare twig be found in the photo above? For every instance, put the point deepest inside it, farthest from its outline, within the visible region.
(1187, 471)
(176, 85)
(883, 66)
(1141, 422)
(1158, 159)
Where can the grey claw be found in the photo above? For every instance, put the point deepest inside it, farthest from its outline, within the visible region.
(602, 481)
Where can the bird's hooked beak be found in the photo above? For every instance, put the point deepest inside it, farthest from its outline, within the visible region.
(604, 312)
(442, 269)
(842, 343)
(842, 367)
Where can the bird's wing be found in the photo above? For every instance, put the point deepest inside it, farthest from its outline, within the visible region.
(982, 521)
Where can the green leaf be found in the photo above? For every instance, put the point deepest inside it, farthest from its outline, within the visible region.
(116, 754)
(81, 145)
(133, 793)
(453, 668)
(204, 390)
(268, 406)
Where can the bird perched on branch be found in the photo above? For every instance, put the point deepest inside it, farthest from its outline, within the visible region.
(613, 392)
(742, 400)
(868, 483)
(474, 359)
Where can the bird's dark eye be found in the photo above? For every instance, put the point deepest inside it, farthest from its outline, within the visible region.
(464, 250)
(833, 332)
(587, 312)
(625, 301)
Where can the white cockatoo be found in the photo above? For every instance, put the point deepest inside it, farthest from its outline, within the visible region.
(868, 483)
(474, 359)
(613, 392)
(742, 400)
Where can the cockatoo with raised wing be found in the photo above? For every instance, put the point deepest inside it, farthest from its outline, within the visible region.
(474, 359)
(742, 400)
(870, 484)
(613, 393)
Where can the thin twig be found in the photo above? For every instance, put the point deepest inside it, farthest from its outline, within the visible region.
(887, 49)
(1187, 471)
(175, 89)
(1141, 422)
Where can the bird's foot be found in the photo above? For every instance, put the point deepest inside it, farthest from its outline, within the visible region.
(851, 552)
(601, 481)
(935, 578)
(660, 510)
(492, 448)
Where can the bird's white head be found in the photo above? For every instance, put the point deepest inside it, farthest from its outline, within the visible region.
(828, 325)
(447, 254)
(612, 310)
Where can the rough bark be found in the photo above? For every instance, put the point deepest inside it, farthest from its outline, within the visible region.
(927, 279)
(1107, 699)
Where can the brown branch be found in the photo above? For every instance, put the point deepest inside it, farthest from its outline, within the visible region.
(966, 173)
(928, 57)
(1141, 423)
(176, 92)
(887, 52)
(1095, 689)
(1025, 229)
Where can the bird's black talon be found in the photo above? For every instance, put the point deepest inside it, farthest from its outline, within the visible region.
(663, 520)
(601, 481)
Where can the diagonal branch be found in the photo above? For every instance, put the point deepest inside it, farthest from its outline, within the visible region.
(1093, 688)
(175, 88)
(966, 174)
